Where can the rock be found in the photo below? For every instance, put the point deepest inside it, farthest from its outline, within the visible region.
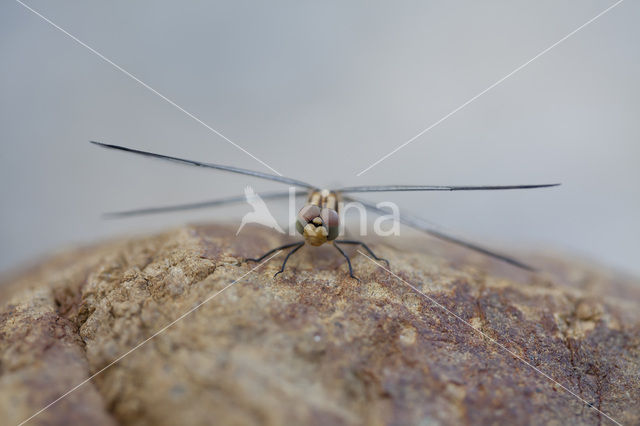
(314, 346)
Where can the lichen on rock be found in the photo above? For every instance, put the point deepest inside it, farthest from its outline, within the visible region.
(314, 346)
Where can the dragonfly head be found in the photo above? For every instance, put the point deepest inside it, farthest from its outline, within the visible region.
(317, 225)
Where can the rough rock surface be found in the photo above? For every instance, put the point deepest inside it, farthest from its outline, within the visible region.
(313, 346)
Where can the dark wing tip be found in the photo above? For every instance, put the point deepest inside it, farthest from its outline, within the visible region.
(104, 145)
(529, 186)
(535, 186)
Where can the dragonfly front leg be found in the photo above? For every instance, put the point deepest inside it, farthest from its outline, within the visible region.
(366, 247)
(287, 258)
(348, 260)
(286, 246)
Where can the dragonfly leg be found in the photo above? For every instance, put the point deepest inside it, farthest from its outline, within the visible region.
(366, 247)
(284, 263)
(348, 260)
(286, 246)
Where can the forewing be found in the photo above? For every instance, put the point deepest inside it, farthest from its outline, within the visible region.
(231, 169)
(395, 188)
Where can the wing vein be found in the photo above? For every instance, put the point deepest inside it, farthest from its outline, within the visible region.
(389, 188)
(193, 206)
(231, 169)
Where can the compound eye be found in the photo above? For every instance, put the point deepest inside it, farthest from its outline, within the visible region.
(331, 220)
(308, 213)
(329, 217)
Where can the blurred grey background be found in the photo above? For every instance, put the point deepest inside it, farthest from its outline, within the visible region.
(319, 91)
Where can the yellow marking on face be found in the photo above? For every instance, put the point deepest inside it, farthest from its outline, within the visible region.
(315, 235)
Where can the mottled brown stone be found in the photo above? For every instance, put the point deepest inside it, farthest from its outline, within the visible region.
(314, 346)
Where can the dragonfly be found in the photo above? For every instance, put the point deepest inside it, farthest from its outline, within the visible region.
(319, 220)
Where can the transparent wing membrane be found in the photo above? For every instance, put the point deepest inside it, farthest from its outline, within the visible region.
(390, 188)
(231, 169)
(194, 206)
(422, 225)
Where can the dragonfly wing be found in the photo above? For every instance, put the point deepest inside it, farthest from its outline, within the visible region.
(424, 226)
(193, 206)
(231, 169)
(394, 188)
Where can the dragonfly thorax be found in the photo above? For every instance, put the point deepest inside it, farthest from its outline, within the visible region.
(318, 221)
